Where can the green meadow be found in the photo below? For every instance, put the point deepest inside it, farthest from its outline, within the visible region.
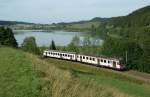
(26, 75)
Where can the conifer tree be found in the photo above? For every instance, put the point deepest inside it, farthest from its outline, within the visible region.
(52, 46)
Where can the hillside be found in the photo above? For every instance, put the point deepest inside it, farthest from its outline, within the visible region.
(25, 75)
(8, 23)
(83, 26)
(138, 18)
(17, 77)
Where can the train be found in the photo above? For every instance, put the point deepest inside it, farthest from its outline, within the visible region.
(101, 61)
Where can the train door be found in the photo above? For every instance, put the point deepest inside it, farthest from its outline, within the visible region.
(114, 64)
(81, 58)
(98, 62)
(71, 57)
(45, 54)
(60, 55)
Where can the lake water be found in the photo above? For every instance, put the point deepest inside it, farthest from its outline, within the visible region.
(61, 38)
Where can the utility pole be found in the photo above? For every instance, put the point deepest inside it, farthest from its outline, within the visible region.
(126, 57)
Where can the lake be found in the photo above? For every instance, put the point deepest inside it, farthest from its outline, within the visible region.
(44, 38)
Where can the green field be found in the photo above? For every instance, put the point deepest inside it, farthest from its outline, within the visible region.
(86, 25)
(26, 75)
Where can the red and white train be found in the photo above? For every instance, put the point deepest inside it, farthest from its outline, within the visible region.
(114, 63)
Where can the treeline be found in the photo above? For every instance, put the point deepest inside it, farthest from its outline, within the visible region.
(87, 46)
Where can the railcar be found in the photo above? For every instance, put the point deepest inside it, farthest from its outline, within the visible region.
(60, 54)
(87, 59)
(114, 63)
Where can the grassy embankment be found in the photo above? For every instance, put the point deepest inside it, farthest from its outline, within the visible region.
(137, 85)
(25, 75)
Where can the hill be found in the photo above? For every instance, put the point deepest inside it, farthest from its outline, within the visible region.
(25, 75)
(8, 23)
(83, 26)
(140, 17)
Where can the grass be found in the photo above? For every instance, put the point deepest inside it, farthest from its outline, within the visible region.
(106, 78)
(17, 78)
(25, 75)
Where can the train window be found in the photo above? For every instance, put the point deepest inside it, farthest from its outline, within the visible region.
(63, 54)
(90, 58)
(108, 61)
(104, 61)
(93, 59)
(58, 54)
(87, 58)
(83, 57)
(80, 56)
(101, 60)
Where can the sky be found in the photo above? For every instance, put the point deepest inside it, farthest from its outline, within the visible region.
(54, 11)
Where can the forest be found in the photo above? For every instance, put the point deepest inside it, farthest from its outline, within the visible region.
(129, 34)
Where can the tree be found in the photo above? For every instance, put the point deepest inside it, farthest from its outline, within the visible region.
(93, 29)
(7, 37)
(118, 47)
(30, 45)
(52, 46)
(86, 41)
(76, 41)
(73, 48)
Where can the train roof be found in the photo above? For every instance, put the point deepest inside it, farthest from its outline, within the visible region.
(62, 51)
(100, 56)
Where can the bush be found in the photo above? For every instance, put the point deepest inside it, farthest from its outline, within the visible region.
(30, 45)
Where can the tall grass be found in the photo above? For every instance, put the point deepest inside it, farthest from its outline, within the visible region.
(63, 83)
(120, 81)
